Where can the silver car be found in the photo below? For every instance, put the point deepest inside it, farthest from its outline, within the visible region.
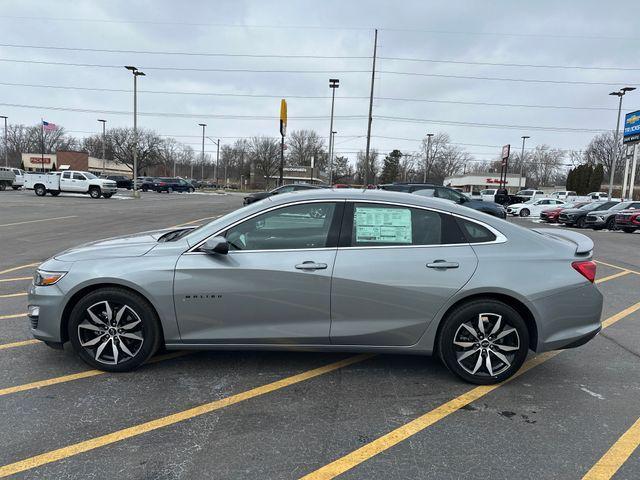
(330, 270)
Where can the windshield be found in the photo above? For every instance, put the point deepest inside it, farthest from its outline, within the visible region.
(89, 175)
(590, 206)
(620, 206)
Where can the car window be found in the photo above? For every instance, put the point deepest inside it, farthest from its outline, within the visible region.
(285, 189)
(448, 194)
(78, 176)
(425, 192)
(393, 225)
(66, 175)
(299, 226)
(475, 232)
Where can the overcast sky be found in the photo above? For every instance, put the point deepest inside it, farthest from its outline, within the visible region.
(569, 33)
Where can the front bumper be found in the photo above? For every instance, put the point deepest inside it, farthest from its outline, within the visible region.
(50, 302)
(109, 189)
(594, 222)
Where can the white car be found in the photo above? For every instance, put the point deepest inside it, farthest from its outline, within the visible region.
(565, 195)
(533, 207)
(489, 194)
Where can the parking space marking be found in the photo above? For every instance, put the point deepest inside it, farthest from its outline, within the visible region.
(611, 277)
(23, 343)
(16, 279)
(196, 221)
(117, 436)
(77, 376)
(402, 433)
(36, 221)
(11, 295)
(615, 457)
(13, 315)
(616, 266)
(20, 267)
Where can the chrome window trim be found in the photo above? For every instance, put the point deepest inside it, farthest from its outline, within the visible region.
(500, 238)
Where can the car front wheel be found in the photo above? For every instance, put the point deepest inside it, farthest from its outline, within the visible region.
(524, 212)
(95, 192)
(113, 329)
(484, 341)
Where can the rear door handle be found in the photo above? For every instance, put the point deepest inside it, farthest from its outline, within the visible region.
(442, 264)
(311, 265)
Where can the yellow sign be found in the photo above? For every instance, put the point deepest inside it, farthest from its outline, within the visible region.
(283, 117)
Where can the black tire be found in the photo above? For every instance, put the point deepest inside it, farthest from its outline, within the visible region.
(15, 187)
(470, 313)
(628, 230)
(149, 329)
(3, 186)
(55, 194)
(169, 190)
(581, 222)
(191, 190)
(524, 212)
(95, 192)
(145, 189)
(611, 224)
(40, 190)
(107, 195)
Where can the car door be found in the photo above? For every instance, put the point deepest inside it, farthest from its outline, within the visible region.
(67, 182)
(274, 285)
(395, 268)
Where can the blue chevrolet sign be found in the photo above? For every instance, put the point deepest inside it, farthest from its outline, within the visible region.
(632, 127)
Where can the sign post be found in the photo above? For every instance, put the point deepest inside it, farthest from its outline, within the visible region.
(504, 167)
(631, 138)
(283, 132)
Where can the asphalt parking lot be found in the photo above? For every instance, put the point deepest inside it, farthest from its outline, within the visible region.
(220, 415)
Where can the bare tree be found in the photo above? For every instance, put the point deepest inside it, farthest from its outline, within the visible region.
(601, 150)
(148, 148)
(342, 170)
(303, 145)
(444, 158)
(545, 166)
(18, 142)
(265, 155)
(373, 167)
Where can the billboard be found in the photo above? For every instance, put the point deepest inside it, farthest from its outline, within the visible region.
(631, 127)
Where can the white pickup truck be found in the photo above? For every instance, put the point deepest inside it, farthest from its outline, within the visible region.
(71, 181)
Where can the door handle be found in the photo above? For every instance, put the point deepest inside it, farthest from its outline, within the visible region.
(442, 264)
(311, 265)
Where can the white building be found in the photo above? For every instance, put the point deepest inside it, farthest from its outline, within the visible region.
(37, 162)
(473, 183)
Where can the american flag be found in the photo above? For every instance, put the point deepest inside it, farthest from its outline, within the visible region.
(49, 127)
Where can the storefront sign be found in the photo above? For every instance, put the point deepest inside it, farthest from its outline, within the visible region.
(40, 160)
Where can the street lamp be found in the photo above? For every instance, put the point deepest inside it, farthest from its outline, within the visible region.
(426, 164)
(524, 139)
(104, 122)
(215, 167)
(620, 93)
(6, 148)
(333, 140)
(136, 73)
(333, 84)
(203, 125)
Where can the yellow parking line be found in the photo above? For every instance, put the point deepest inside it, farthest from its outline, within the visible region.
(16, 279)
(13, 315)
(616, 266)
(22, 343)
(76, 376)
(196, 221)
(19, 268)
(119, 435)
(36, 221)
(11, 295)
(615, 457)
(407, 430)
(611, 277)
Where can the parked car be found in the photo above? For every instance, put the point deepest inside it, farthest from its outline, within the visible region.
(577, 216)
(439, 191)
(7, 177)
(145, 183)
(71, 181)
(293, 187)
(607, 218)
(526, 195)
(598, 195)
(169, 185)
(332, 270)
(551, 215)
(121, 181)
(488, 194)
(19, 177)
(628, 220)
(533, 207)
(565, 195)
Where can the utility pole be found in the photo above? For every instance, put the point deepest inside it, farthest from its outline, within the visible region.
(215, 166)
(333, 84)
(203, 125)
(136, 73)
(620, 93)
(524, 139)
(218, 160)
(103, 144)
(426, 164)
(6, 145)
(333, 140)
(373, 77)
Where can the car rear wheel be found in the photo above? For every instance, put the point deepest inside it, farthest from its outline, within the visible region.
(169, 190)
(114, 330)
(484, 341)
(40, 190)
(524, 212)
(628, 230)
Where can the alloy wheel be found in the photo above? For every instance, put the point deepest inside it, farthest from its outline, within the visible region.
(486, 346)
(111, 333)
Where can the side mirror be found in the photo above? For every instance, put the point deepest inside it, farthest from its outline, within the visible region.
(462, 199)
(216, 245)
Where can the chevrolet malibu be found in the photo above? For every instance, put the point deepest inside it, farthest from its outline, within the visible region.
(326, 270)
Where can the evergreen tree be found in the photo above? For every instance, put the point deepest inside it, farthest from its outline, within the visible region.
(391, 167)
(596, 178)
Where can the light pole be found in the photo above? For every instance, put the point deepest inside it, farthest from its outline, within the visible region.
(203, 125)
(620, 93)
(426, 164)
(215, 167)
(333, 140)
(104, 122)
(524, 139)
(333, 84)
(6, 148)
(136, 73)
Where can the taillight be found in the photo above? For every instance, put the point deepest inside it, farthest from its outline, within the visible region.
(586, 268)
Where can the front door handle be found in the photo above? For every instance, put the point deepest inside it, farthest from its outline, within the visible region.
(311, 265)
(442, 264)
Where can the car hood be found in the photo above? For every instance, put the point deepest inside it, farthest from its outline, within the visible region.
(480, 203)
(125, 246)
(519, 205)
(260, 195)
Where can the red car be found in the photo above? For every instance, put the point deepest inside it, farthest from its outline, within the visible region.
(628, 220)
(551, 216)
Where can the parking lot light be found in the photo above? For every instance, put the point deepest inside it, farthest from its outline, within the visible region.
(136, 73)
(620, 93)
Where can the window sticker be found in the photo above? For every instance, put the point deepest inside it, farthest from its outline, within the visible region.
(382, 225)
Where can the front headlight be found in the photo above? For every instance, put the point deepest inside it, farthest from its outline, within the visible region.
(43, 278)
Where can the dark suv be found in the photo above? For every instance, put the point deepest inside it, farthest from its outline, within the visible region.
(169, 185)
(578, 216)
(121, 181)
(438, 191)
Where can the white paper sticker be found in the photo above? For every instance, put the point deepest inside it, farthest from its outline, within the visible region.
(383, 225)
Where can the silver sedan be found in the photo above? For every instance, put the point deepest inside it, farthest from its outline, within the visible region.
(341, 270)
